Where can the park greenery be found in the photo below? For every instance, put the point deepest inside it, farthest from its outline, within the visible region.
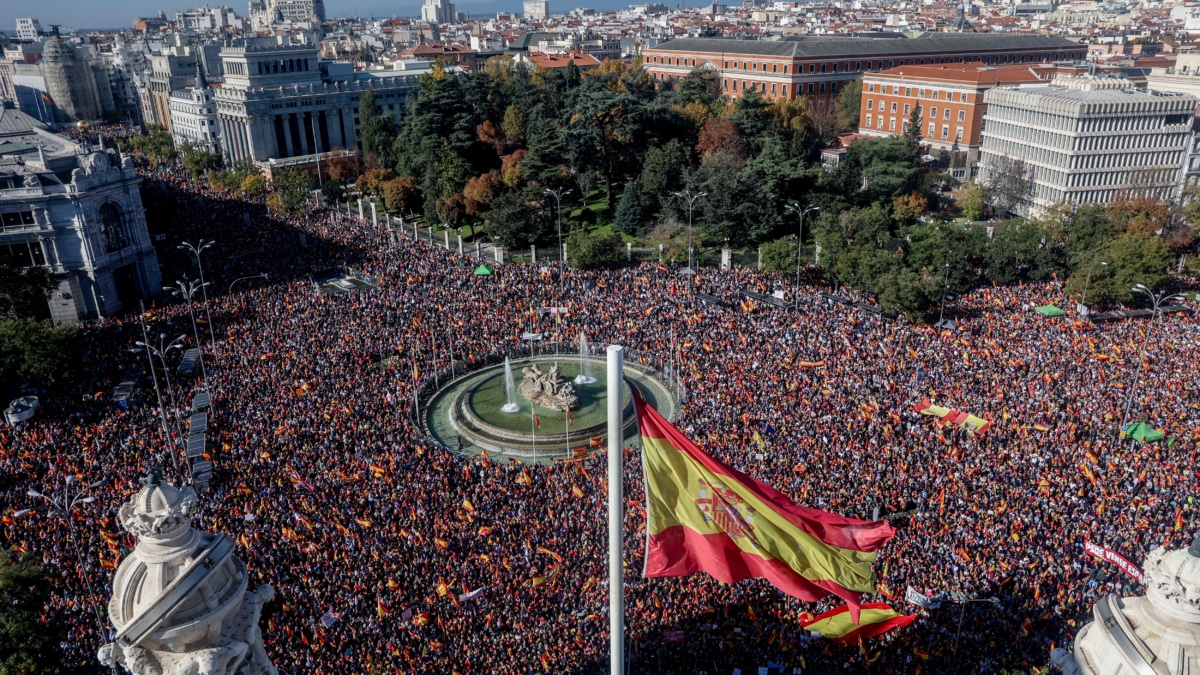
(485, 151)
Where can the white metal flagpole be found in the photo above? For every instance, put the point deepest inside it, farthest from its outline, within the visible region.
(616, 503)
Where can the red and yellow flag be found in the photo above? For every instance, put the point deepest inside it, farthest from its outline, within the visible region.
(877, 618)
(705, 516)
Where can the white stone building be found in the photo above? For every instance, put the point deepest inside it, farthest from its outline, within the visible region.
(194, 115)
(77, 212)
(1086, 139)
(279, 101)
(438, 11)
(536, 9)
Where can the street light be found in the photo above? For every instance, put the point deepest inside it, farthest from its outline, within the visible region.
(187, 291)
(196, 251)
(1157, 300)
(261, 275)
(945, 288)
(1083, 300)
(162, 411)
(799, 211)
(558, 194)
(161, 353)
(962, 606)
(691, 201)
(61, 505)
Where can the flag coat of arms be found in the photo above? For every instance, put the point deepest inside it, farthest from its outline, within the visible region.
(704, 516)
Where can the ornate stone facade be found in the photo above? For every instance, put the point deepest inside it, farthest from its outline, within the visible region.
(180, 603)
(548, 389)
(1154, 634)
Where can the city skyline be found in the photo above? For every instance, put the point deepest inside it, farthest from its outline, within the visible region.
(121, 13)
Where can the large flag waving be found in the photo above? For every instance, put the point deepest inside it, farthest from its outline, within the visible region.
(705, 516)
(877, 618)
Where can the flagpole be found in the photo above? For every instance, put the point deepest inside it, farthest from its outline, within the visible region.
(616, 573)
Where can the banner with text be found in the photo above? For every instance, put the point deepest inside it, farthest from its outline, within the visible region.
(1109, 555)
(921, 600)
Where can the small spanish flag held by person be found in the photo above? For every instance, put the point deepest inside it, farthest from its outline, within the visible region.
(704, 516)
(381, 608)
(536, 422)
(876, 618)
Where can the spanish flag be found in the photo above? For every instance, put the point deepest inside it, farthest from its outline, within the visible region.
(876, 618)
(705, 516)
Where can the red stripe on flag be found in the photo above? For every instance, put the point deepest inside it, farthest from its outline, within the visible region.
(678, 551)
(875, 629)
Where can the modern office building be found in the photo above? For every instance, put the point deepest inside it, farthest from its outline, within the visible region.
(170, 71)
(821, 66)
(28, 30)
(78, 212)
(1086, 139)
(950, 98)
(438, 11)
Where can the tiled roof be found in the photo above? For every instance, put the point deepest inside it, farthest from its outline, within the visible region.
(810, 46)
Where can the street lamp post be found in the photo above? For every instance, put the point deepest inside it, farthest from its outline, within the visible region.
(1083, 300)
(691, 200)
(261, 275)
(62, 504)
(161, 352)
(1157, 300)
(162, 411)
(945, 287)
(799, 211)
(558, 194)
(196, 251)
(962, 606)
(187, 291)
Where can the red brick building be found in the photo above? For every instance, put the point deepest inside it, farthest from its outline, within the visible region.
(821, 66)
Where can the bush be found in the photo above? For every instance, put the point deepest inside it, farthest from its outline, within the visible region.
(586, 251)
(779, 255)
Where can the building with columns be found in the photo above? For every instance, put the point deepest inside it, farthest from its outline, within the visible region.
(76, 211)
(280, 102)
(1085, 139)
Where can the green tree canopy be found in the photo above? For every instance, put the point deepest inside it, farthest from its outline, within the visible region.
(28, 644)
(24, 291)
(38, 351)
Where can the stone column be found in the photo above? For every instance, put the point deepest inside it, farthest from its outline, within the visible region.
(628, 252)
(499, 255)
(817, 256)
(460, 249)
(374, 215)
(563, 263)
(360, 212)
(759, 257)
(726, 257)
(446, 234)
(533, 253)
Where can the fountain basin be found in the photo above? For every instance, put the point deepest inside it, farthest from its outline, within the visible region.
(472, 411)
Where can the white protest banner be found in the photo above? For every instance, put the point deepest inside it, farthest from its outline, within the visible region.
(1109, 555)
(920, 600)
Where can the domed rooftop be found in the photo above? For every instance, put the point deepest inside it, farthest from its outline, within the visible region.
(156, 496)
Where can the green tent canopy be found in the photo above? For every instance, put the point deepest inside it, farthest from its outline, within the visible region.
(1049, 310)
(483, 271)
(1143, 433)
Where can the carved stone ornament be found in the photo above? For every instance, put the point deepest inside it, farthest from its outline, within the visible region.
(548, 389)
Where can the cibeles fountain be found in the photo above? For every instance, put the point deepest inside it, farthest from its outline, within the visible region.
(180, 603)
(1154, 634)
(539, 407)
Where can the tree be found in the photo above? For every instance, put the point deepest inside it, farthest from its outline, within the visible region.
(1018, 251)
(292, 188)
(664, 170)
(630, 215)
(377, 129)
(823, 118)
(1138, 213)
(24, 291)
(512, 222)
(513, 126)
(1132, 259)
(38, 351)
(198, 160)
(344, 167)
(371, 182)
(156, 145)
(604, 130)
(1089, 231)
(479, 192)
(700, 86)
(28, 644)
(720, 134)
(332, 190)
(780, 255)
(1008, 184)
(909, 207)
(902, 291)
(849, 100)
(973, 200)
(913, 132)
(256, 185)
(586, 251)
(400, 195)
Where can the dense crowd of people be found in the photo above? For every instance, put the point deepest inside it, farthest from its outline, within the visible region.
(817, 401)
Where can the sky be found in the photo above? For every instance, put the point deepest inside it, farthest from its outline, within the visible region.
(120, 13)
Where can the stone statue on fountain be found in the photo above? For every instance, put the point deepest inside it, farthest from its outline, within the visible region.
(548, 389)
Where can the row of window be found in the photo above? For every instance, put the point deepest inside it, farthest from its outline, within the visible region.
(934, 94)
(931, 132)
(16, 218)
(24, 254)
(962, 114)
(845, 66)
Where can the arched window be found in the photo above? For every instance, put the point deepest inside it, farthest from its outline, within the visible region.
(112, 231)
